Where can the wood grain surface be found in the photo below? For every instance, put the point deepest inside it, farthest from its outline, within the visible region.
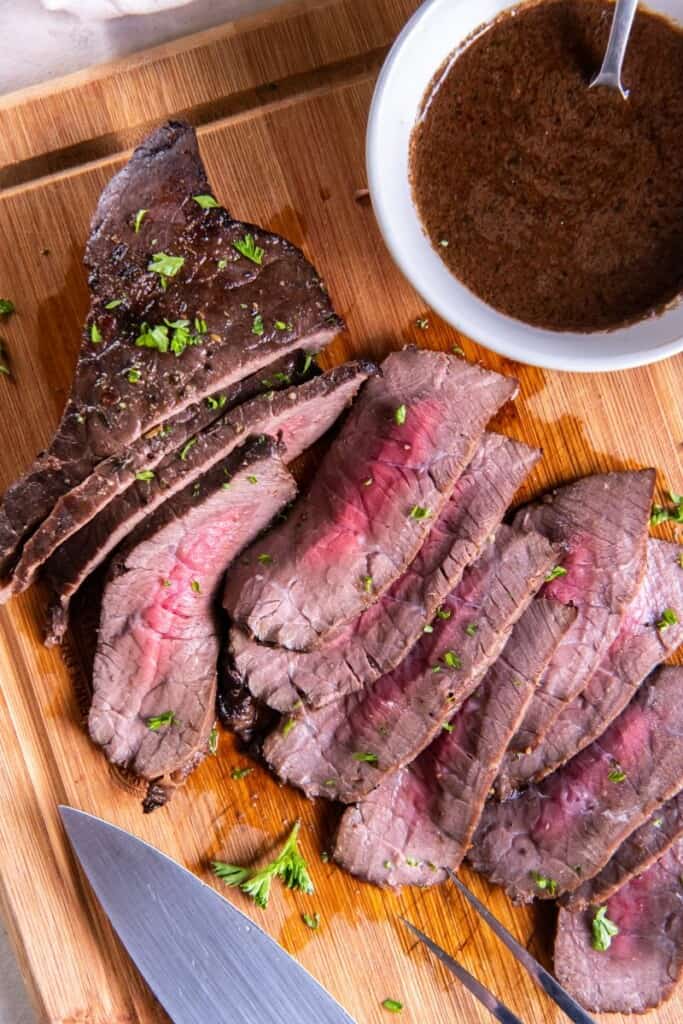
(281, 103)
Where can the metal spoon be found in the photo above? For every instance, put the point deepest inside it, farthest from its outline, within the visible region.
(622, 23)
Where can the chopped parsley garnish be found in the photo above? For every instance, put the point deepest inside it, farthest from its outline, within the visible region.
(555, 573)
(240, 773)
(134, 376)
(257, 325)
(443, 613)
(222, 264)
(387, 864)
(472, 629)
(392, 1005)
(330, 783)
(156, 722)
(280, 325)
(216, 403)
(447, 727)
(196, 587)
(311, 921)
(603, 930)
(213, 741)
(289, 865)
(422, 322)
(419, 512)
(365, 758)
(544, 883)
(252, 479)
(114, 304)
(428, 628)
(669, 618)
(165, 266)
(617, 774)
(186, 449)
(457, 351)
(158, 336)
(451, 659)
(308, 362)
(6, 307)
(139, 217)
(658, 822)
(400, 415)
(412, 862)
(265, 559)
(288, 726)
(247, 247)
(200, 325)
(144, 475)
(367, 584)
(661, 514)
(206, 202)
(95, 334)
(166, 584)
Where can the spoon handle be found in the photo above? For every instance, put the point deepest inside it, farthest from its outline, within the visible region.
(622, 23)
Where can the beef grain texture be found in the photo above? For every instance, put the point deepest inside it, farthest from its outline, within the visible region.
(344, 750)
(299, 415)
(637, 650)
(115, 474)
(383, 482)
(565, 829)
(421, 818)
(603, 520)
(109, 408)
(642, 848)
(644, 962)
(158, 640)
(383, 634)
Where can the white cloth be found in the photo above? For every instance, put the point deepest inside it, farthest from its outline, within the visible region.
(102, 9)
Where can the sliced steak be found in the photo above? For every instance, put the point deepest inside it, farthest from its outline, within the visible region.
(421, 818)
(344, 750)
(642, 848)
(383, 482)
(300, 415)
(115, 474)
(378, 640)
(643, 963)
(638, 648)
(154, 675)
(565, 829)
(604, 521)
(232, 316)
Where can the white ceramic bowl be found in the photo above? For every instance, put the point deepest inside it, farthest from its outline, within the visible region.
(431, 35)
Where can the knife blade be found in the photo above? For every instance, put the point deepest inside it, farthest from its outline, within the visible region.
(495, 1007)
(537, 972)
(203, 959)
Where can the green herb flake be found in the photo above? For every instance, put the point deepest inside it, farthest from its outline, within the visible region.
(213, 741)
(330, 783)
(7, 307)
(240, 773)
(544, 883)
(153, 337)
(472, 629)
(165, 266)
(457, 351)
(443, 613)
(95, 334)
(289, 724)
(311, 921)
(658, 822)
(412, 862)
(387, 865)
(134, 376)
(216, 403)
(247, 247)
(139, 217)
(422, 322)
(145, 475)
(451, 659)
(187, 448)
(603, 930)
(265, 559)
(419, 512)
(196, 587)
(400, 415)
(392, 1005)
(428, 628)
(206, 202)
(222, 264)
(166, 584)
(555, 573)
(447, 727)
(669, 618)
(257, 325)
(617, 774)
(662, 514)
(289, 866)
(157, 722)
(114, 304)
(280, 325)
(365, 758)
(367, 584)
(252, 479)
(308, 363)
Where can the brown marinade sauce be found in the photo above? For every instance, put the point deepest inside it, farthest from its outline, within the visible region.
(561, 206)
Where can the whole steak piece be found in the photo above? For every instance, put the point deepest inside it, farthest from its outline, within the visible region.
(643, 962)
(377, 641)
(185, 301)
(383, 482)
(564, 830)
(154, 676)
(603, 521)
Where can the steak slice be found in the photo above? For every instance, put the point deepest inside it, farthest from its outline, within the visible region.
(644, 961)
(158, 640)
(384, 633)
(234, 316)
(640, 851)
(344, 750)
(382, 483)
(115, 474)
(565, 829)
(638, 648)
(420, 819)
(300, 415)
(604, 521)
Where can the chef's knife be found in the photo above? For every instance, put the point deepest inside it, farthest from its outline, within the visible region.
(203, 959)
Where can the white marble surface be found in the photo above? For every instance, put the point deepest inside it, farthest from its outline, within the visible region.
(45, 46)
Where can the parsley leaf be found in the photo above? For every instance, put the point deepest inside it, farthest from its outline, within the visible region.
(544, 883)
(311, 921)
(213, 741)
(6, 307)
(555, 573)
(451, 659)
(400, 415)
(419, 513)
(247, 247)
(443, 613)
(669, 618)
(186, 449)
(265, 559)
(240, 773)
(206, 202)
(216, 403)
(660, 514)
(165, 266)
(365, 758)
(144, 475)
(95, 334)
(289, 724)
(156, 722)
(617, 774)
(308, 362)
(603, 930)
(289, 866)
(114, 304)
(392, 1005)
(196, 587)
(367, 584)
(257, 325)
(133, 376)
(139, 217)
(472, 629)
(447, 727)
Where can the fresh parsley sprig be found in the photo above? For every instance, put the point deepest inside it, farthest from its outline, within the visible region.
(603, 930)
(289, 866)
(248, 248)
(661, 514)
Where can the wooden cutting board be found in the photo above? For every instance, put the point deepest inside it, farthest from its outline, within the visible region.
(281, 104)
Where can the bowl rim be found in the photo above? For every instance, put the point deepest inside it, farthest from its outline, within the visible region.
(457, 314)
